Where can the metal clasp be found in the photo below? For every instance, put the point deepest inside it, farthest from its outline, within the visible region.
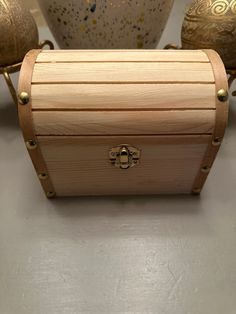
(124, 156)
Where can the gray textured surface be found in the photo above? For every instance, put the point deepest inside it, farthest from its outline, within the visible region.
(115, 255)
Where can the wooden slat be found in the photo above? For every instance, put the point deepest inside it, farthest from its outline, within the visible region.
(123, 96)
(122, 72)
(80, 165)
(122, 55)
(130, 122)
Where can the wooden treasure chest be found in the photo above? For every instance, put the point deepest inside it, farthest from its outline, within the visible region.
(122, 122)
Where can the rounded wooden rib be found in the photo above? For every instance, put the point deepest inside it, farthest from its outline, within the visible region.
(222, 109)
(26, 121)
(122, 73)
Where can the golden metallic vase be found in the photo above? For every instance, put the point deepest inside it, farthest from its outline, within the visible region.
(19, 34)
(212, 24)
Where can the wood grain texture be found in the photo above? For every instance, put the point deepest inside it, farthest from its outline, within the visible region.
(123, 96)
(124, 123)
(121, 55)
(172, 72)
(80, 165)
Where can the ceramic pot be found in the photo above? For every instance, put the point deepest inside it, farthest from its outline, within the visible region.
(102, 24)
(211, 24)
(18, 32)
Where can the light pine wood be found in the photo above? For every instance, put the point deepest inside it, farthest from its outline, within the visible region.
(81, 166)
(83, 103)
(123, 72)
(121, 56)
(124, 123)
(123, 96)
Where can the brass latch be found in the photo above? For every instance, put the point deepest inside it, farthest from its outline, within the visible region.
(124, 156)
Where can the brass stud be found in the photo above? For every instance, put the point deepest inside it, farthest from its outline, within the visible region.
(24, 98)
(196, 191)
(216, 141)
(206, 169)
(31, 144)
(51, 194)
(222, 95)
(43, 176)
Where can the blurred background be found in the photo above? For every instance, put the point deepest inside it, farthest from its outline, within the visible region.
(33, 6)
(159, 255)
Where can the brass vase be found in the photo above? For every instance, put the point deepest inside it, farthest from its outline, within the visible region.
(18, 32)
(211, 24)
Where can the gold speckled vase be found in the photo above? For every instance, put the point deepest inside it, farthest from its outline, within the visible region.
(106, 24)
(18, 32)
(211, 24)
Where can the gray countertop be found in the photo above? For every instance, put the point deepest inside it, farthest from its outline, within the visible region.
(110, 254)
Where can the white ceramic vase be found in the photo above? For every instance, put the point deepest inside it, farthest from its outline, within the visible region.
(102, 24)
